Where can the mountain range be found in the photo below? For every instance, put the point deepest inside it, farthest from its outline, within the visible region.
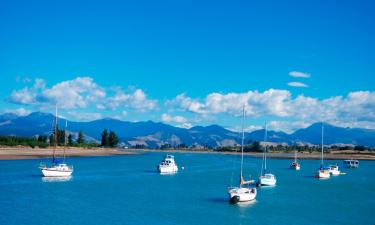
(154, 134)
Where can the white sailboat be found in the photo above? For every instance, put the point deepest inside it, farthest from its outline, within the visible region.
(58, 168)
(322, 173)
(266, 178)
(295, 164)
(241, 193)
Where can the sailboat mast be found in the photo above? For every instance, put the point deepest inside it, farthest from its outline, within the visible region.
(55, 134)
(66, 126)
(322, 144)
(265, 146)
(242, 143)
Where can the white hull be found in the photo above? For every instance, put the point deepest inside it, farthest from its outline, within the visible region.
(322, 174)
(57, 170)
(55, 173)
(267, 181)
(295, 167)
(243, 194)
(168, 165)
(335, 173)
(168, 169)
(334, 170)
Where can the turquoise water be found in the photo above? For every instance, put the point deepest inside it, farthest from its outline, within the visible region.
(126, 190)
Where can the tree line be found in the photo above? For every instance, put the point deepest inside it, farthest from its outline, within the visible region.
(108, 139)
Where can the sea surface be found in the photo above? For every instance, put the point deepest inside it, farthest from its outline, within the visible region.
(127, 190)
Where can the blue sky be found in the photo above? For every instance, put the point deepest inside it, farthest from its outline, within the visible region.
(163, 60)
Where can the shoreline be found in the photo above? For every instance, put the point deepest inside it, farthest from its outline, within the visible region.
(343, 155)
(40, 153)
(14, 153)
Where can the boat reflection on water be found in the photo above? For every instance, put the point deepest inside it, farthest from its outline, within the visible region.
(243, 207)
(57, 179)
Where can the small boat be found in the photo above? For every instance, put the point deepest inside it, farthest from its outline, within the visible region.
(266, 178)
(58, 168)
(242, 193)
(334, 170)
(168, 165)
(350, 163)
(323, 172)
(295, 165)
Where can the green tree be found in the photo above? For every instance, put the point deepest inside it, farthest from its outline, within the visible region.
(105, 138)
(42, 139)
(60, 136)
(70, 140)
(256, 147)
(81, 138)
(112, 139)
(51, 140)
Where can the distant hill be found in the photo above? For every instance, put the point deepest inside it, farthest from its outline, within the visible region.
(155, 134)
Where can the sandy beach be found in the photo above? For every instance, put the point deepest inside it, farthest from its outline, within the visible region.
(8, 153)
(30, 153)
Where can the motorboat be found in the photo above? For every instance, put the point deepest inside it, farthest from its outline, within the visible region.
(168, 165)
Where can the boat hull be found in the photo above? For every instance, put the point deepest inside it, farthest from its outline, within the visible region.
(55, 173)
(322, 174)
(295, 167)
(168, 169)
(267, 181)
(334, 172)
(237, 195)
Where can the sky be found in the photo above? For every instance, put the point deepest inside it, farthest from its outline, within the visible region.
(188, 63)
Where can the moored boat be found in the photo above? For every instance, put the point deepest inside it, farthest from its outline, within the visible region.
(295, 164)
(334, 170)
(168, 165)
(58, 167)
(266, 178)
(322, 173)
(242, 193)
(350, 163)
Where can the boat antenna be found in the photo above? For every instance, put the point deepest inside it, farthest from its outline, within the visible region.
(321, 163)
(55, 134)
(242, 142)
(65, 142)
(265, 147)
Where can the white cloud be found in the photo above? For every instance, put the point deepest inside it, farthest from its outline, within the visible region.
(356, 109)
(269, 102)
(18, 112)
(85, 116)
(137, 100)
(72, 94)
(175, 119)
(25, 96)
(80, 93)
(185, 125)
(297, 84)
(299, 74)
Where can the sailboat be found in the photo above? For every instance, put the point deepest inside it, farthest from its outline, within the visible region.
(58, 167)
(322, 173)
(241, 193)
(266, 178)
(295, 164)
